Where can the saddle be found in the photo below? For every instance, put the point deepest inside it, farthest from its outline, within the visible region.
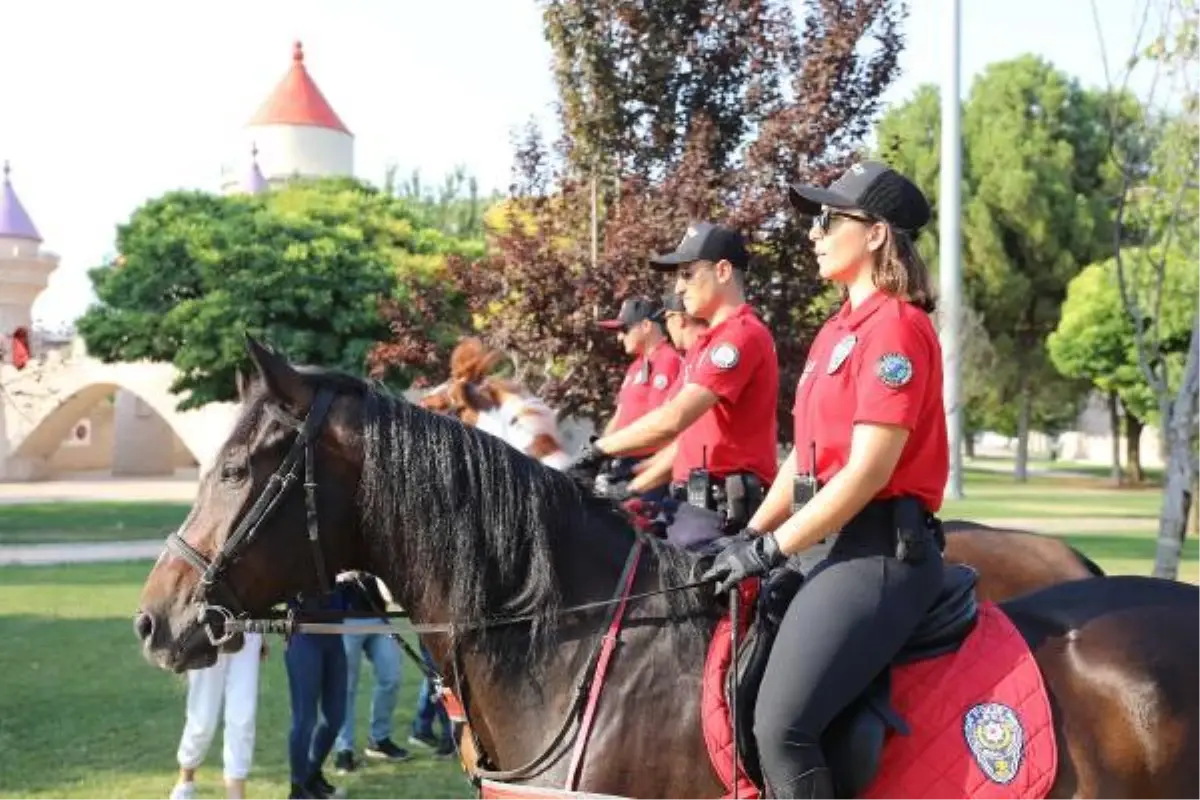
(853, 743)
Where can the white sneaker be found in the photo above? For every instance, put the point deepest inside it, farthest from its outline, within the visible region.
(184, 791)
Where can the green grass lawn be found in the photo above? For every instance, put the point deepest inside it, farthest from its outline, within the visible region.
(36, 523)
(83, 715)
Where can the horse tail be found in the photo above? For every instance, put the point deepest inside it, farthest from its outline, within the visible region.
(1090, 565)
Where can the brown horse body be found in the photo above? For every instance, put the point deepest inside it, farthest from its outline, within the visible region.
(462, 529)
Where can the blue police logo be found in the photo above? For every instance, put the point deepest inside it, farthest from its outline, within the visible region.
(660, 381)
(840, 353)
(996, 740)
(894, 369)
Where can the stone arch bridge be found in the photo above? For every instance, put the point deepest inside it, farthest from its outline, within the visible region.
(67, 411)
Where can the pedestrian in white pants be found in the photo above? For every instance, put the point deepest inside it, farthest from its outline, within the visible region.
(231, 685)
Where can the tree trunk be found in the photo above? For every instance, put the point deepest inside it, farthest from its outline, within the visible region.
(1114, 418)
(1133, 447)
(1021, 467)
(1181, 466)
(969, 442)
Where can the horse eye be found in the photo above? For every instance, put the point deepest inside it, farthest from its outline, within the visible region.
(233, 472)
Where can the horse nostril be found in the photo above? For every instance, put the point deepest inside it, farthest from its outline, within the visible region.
(143, 625)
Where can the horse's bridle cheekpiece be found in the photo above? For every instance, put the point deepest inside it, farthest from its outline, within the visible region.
(220, 601)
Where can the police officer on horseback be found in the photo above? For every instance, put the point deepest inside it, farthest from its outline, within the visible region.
(869, 467)
(721, 424)
(641, 330)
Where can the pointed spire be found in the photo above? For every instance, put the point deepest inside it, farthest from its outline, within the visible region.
(14, 220)
(296, 100)
(254, 182)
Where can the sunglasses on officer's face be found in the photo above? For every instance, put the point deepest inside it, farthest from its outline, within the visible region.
(825, 219)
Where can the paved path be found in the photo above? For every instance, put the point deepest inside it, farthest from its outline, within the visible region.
(92, 552)
(180, 487)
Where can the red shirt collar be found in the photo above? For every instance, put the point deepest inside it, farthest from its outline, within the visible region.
(852, 318)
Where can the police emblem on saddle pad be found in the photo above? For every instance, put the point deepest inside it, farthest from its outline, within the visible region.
(996, 739)
(979, 720)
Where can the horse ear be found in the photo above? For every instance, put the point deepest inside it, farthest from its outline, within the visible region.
(283, 382)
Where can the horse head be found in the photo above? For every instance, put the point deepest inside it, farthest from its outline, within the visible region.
(258, 533)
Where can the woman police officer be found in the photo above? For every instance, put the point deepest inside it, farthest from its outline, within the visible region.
(870, 463)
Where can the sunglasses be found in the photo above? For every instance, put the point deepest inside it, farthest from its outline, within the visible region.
(825, 219)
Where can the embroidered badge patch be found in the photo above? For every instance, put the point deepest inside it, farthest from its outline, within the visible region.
(725, 356)
(894, 369)
(996, 740)
(660, 381)
(840, 353)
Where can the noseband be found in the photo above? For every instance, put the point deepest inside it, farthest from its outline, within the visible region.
(220, 601)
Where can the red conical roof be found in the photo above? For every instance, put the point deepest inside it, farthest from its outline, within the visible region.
(298, 101)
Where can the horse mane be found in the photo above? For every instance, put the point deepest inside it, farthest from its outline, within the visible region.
(485, 519)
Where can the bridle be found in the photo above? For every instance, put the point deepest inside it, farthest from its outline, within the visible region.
(220, 602)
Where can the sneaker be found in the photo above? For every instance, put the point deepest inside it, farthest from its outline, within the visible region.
(184, 791)
(343, 762)
(322, 789)
(424, 741)
(298, 792)
(386, 748)
(445, 750)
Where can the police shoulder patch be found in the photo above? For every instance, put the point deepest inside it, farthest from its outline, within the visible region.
(996, 740)
(725, 356)
(894, 369)
(660, 381)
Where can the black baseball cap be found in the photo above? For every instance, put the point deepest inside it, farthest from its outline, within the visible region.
(673, 303)
(872, 187)
(705, 241)
(633, 311)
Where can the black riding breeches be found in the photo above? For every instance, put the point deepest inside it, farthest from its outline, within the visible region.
(847, 623)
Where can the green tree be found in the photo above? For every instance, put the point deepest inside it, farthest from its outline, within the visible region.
(305, 267)
(456, 208)
(1037, 188)
(1158, 211)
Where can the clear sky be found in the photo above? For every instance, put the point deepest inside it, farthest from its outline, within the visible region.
(104, 105)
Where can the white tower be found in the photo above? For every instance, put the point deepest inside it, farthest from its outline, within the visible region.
(297, 132)
(24, 266)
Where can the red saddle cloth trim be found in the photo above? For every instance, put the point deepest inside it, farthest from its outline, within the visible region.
(942, 698)
(714, 707)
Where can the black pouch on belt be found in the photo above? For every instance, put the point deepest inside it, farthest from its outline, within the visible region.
(914, 538)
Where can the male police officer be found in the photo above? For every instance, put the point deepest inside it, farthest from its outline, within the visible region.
(655, 367)
(724, 414)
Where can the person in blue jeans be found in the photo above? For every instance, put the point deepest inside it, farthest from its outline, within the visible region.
(316, 670)
(430, 711)
(363, 595)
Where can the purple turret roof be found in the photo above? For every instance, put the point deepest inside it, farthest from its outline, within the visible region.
(14, 220)
(254, 182)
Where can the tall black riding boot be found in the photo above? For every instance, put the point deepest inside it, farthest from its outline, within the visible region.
(816, 783)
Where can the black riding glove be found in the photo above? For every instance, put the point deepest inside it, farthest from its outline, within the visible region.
(744, 558)
(587, 464)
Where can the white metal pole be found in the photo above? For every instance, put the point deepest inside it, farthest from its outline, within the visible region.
(950, 257)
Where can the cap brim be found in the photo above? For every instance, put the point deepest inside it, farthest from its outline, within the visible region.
(809, 199)
(670, 261)
(611, 324)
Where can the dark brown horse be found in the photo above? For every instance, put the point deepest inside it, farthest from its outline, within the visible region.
(464, 529)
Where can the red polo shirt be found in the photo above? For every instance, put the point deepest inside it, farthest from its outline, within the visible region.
(647, 386)
(879, 363)
(736, 361)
